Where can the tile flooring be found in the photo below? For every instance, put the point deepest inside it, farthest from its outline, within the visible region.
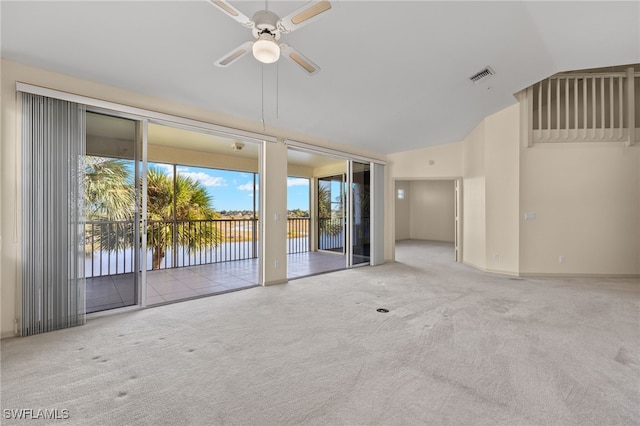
(168, 285)
(313, 262)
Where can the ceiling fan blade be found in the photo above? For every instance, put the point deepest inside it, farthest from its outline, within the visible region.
(232, 12)
(306, 14)
(299, 59)
(234, 55)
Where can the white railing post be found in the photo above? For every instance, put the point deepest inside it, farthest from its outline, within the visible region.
(549, 108)
(631, 112)
(600, 109)
(585, 111)
(526, 117)
(594, 106)
(621, 106)
(566, 107)
(576, 107)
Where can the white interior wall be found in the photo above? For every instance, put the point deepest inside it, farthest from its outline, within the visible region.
(586, 200)
(403, 211)
(502, 185)
(474, 198)
(273, 208)
(432, 205)
(299, 171)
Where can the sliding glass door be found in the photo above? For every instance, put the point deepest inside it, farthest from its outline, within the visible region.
(331, 213)
(112, 210)
(93, 228)
(344, 213)
(360, 213)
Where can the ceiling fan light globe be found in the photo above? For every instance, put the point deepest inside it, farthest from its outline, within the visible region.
(266, 50)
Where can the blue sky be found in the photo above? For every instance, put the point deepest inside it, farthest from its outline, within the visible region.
(233, 190)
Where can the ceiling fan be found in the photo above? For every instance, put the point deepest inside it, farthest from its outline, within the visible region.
(267, 27)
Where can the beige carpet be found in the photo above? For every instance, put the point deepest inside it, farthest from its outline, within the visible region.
(457, 347)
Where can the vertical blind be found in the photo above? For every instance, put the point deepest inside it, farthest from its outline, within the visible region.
(53, 150)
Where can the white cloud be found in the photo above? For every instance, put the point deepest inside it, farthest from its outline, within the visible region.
(205, 179)
(297, 182)
(168, 168)
(247, 187)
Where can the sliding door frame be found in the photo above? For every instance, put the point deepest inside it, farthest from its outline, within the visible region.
(375, 169)
(143, 117)
(140, 210)
(350, 226)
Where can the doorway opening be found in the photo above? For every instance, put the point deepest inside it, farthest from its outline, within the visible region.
(430, 210)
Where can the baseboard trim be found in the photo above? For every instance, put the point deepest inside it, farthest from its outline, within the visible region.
(577, 275)
(507, 273)
(491, 271)
(549, 274)
(473, 265)
(275, 282)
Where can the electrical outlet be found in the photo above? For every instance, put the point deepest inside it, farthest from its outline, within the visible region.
(561, 259)
(496, 257)
(275, 264)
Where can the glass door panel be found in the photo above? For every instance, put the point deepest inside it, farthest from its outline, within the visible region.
(331, 213)
(202, 217)
(112, 225)
(360, 234)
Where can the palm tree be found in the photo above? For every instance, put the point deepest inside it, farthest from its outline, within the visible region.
(330, 222)
(110, 201)
(108, 189)
(185, 221)
(109, 204)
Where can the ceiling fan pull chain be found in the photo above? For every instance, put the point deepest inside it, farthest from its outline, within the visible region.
(277, 90)
(262, 72)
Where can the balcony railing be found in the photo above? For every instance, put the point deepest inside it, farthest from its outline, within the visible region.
(331, 234)
(297, 235)
(110, 248)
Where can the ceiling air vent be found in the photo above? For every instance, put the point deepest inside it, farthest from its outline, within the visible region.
(486, 72)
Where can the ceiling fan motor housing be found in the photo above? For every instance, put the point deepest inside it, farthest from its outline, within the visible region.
(266, 21)
(266, 28)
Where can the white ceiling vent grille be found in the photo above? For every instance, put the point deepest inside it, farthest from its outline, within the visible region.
(486, 72)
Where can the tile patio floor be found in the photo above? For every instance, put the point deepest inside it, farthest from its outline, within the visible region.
(167, 285)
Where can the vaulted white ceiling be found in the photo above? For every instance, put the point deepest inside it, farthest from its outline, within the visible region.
(395, 75)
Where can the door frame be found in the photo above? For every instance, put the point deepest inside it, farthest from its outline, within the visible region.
(343, 206)
(349, 223)
(458, 211)
(140, 200)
